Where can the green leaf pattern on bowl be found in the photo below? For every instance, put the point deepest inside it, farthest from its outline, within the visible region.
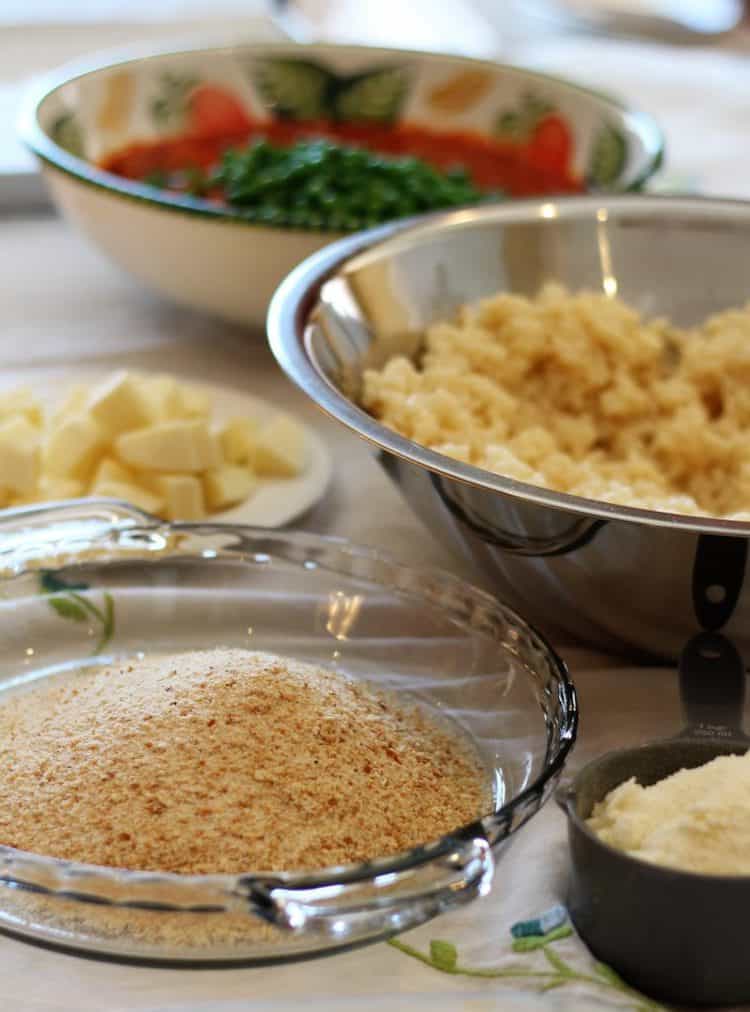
(169, 105)
(607, 157)
(72, 602)
(376, 96)
(293, 89)
(303, 90)
(68, 607)
(517, 124)
(66, 131)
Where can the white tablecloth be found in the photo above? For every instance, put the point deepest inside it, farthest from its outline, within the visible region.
(64, 306)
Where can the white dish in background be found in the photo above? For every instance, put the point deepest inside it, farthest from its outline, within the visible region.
(275, 502)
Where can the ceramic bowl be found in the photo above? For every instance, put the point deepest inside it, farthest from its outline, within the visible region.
(208, 256)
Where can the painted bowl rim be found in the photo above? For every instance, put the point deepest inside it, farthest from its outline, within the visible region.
(53, 155)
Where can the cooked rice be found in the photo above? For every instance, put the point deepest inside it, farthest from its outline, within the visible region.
(579, 393)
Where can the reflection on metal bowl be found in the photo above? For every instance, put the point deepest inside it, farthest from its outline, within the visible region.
(615, 576)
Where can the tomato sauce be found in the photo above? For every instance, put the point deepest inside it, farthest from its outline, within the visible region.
(537, 165)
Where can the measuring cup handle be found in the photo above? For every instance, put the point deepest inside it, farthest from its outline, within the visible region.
(718, 576)
(712, 685)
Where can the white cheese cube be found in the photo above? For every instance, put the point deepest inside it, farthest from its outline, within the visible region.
(194, 402)
(53, 490)
(109, 469)
(119, 405)
(73, 447)
(226, 486)
(183, 496)
(135, 494)
(73, 404)
(60, 488)
(217, 453)
(280, 450)
(164, 397)
(179, 445)
(238, 438)
(21, 401)
(19, 455)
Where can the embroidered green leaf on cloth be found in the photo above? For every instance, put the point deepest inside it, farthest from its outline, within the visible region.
(553, 973)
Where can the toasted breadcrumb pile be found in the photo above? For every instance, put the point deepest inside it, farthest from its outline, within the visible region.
(226, 761)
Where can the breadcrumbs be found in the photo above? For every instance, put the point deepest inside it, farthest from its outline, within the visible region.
(579, 393)
(226, 761)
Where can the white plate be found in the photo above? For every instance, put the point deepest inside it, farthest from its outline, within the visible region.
(275, 502)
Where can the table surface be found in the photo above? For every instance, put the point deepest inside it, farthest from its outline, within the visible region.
(64, 306)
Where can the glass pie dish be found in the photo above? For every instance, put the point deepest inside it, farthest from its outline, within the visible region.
(94, 582)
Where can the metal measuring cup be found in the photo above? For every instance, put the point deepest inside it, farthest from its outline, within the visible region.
(679, 936)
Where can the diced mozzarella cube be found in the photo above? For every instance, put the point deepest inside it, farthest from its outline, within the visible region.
(194, 402)
(74, 403)
(60, 488)
(164, 397)
(73, 448)
(238, 439)
(145, 439)
(226, 486)
(19, 455)
(183, 496)
(280, 450)
(119, 405)
(217, 452)
(21, 401)
(53, 490)
(109, 469)
(180, 445)
(135, 494)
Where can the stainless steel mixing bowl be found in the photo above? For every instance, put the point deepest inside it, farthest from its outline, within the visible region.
(614, 576)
